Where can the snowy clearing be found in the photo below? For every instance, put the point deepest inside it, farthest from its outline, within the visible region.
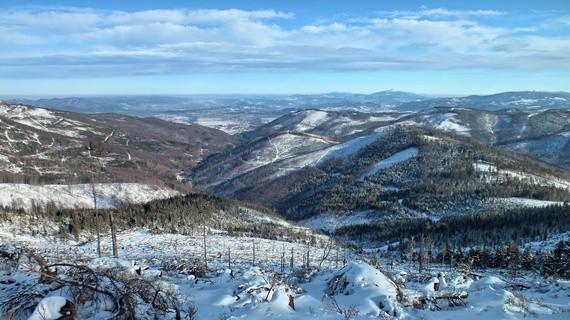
(525, 202)
(392, 160)
(312, 119)
(79, 195)
(331, 221)
(493, 174)
(253, 287)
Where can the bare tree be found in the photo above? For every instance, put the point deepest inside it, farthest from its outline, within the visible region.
(204, 245)
(253, 253)
(421, 259)
(283, 260)
(203, 211)
(308, 257)
(114, 235)
(326, 252)
(98, 230)
(229, 258)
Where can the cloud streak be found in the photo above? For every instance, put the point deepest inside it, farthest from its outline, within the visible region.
(71, 42)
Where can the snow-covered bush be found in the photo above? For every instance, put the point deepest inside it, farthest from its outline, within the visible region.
(369, 290)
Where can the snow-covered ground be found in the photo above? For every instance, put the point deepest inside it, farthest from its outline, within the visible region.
(394, 159)
(312, 119)
(494, 174)
(350, 147)
(445, 122)
(44, 120)
(244, 289)
(79, 195)
(333, 220)
(524, 202)
(230, 126)
(287, 151)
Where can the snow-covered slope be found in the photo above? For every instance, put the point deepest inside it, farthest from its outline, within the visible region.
(284, 151)
(240, 287)
(110, 195)
(46, 120)
(51, 146)
(376, 169)
(552, 148)
(492, 174)
(394, 159)
(336, 125)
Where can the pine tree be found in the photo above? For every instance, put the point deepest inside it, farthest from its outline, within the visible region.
(411, 252)
(401, 250)
(513, 257)
(445, 252)
(527, 260)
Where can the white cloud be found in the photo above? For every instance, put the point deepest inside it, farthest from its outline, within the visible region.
(332, 27)
(193, 16)
(52, 20)
(72, 41)
(442, 12)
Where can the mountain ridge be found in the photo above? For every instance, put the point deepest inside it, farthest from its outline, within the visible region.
(60, 145)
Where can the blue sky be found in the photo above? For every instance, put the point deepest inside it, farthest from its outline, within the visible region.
(52, 48)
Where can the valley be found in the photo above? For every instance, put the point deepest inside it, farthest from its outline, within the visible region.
(344, 208)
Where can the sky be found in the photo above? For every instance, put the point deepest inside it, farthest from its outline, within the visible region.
(62, 48)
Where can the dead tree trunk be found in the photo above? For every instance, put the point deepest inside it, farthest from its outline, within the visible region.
(291, 302)
(98, 230)
(204, 245)
(253, 255)
(283, 260)
(114, 236)
(308, 256)
(229, 258)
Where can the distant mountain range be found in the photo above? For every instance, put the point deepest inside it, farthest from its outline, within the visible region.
(378, 101)
(523, 100)
(240, 113)
(146, 104)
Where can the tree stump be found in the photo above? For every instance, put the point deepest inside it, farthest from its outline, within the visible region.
(291, 302)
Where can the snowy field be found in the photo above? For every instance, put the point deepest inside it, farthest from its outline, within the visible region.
(109, 195)
(241, 284)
